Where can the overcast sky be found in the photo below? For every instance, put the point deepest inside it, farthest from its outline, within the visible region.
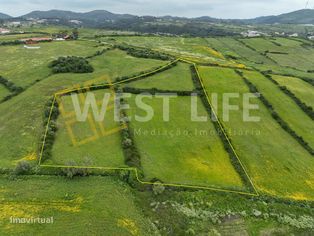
(189, 8)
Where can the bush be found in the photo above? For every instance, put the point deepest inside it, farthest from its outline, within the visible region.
(51, 111)
(71, 65)
(158, 188)
(22, 167)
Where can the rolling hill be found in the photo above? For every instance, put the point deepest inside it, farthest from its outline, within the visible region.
(4, 16)
(97, 15)
(305, 16)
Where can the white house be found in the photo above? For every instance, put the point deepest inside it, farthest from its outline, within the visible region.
(251, 34)
(4, 31)
(294, 35)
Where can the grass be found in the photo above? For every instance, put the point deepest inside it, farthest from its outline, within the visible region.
(102, 150)
(25, 128)
(181, 151)
(3, 92)
(263, 146)
(72, 205)
(300, 88)
(296, 55)
(177, 78)
(195, 49)
(24, 67)
(14, 37)
(230, 46)
(287, 109)
(117, 63)
(263, 45)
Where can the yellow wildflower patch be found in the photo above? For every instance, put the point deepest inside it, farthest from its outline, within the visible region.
(30, 157)
(129, 225)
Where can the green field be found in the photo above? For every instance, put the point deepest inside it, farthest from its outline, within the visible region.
(233, 47)
(19, 125)
(181, 151)
(290, 112)
(204, 190)
(13, 37)
(262, 146)
(24, 66)
(177, 79)
(300, 88)
(288, 52)
(72, 205)
(3, 92)
(91, 140)
(196, 49)
(116, 63)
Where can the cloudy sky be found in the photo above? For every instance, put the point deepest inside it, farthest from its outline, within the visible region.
(189, 8)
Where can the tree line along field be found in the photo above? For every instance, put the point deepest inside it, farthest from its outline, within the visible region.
(278, 164)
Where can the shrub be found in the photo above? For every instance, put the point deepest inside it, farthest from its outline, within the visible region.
(71, 65)
(22, 167)
(158, 188)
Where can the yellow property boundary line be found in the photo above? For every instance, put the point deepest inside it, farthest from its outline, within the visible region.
(66, 91)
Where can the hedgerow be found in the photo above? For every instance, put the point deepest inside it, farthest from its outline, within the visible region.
(307, 109)
(284, 125)
(144, 74)
(51, 113)
(154, 91)
(131, 154)
(144, 53)
(220, 130)
(15, 90)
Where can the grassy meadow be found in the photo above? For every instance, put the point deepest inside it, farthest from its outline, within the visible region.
(3, 92)
(300, 88)
(25, 128)
(177, 78)
(262, 146)
(181, 151)
(98, 143)
(72, 205)
(290, 112)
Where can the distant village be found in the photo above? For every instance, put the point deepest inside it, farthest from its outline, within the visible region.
(76, 23)
(61, 36)
(254, 34)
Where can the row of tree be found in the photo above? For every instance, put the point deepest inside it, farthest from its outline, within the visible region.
(307, 109)
(143, 52)
(226, 140)
(145, 74)
(154, 91)
(14, 89)
(284, 125)
(51, 114)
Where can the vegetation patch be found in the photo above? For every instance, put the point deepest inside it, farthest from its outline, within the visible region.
(71, 64)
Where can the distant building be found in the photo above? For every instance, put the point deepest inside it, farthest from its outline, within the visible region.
(4, 31)
(294, 35)
(251, 34)
(35, 40)
(281, 34)
(15, 23)
(75, 22)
